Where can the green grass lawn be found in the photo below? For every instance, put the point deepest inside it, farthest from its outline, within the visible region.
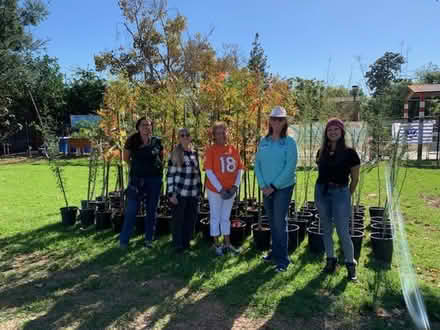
(57, 277)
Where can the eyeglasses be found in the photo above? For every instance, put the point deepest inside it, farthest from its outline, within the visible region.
(184, 135)
(277, 118)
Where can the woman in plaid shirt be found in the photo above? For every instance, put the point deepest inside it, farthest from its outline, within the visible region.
(184, 188)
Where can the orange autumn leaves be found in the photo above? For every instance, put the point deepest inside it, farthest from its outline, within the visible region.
(236, 97)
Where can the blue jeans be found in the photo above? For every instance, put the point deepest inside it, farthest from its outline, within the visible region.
(141, 189)
(276, 206)
(334, 207)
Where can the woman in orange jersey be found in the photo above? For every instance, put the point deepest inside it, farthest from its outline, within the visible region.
(223, 168)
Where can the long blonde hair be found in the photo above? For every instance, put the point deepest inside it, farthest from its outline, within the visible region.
(178, 152)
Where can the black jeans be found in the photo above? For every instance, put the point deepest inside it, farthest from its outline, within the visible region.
(184, 218)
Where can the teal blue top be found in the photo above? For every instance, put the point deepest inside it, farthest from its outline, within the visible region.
(275, 162)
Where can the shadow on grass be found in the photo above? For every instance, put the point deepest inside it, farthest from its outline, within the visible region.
(146, 288)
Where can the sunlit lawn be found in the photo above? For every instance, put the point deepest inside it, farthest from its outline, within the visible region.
(57, 277)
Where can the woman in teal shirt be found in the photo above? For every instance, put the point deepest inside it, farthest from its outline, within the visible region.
(275, 167)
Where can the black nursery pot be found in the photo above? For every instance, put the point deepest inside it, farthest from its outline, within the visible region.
(382, 246)
(100, 205)
(163, 225)
(103, 220)
(206, 230)
(249, 219)
(379, 222)
(293, 233)
(201, 215)
(238, 232)
(68, 215)
(87, 217)
(84, 204)
(302, 220)
(380, 227)
(292, 208)
(117, 222)
(376, 211)
(140, 224)
(316, 241)
(261, 236)
(357, 237)
(356, 226)
(312, 210)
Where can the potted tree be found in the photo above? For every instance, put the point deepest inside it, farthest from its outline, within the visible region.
(395, 176)
(68, 213)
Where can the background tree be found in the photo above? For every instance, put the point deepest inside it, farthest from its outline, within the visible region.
(156, 52)
(17, 46)
(428, 74)
(8, 123)
(258, 60)
(383, 72)
(84, 93)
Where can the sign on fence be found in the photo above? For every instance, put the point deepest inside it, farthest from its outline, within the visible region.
(409, 132)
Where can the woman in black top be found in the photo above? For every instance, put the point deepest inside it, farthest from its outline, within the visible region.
(338, 176)
(143, 153)
(184, 188)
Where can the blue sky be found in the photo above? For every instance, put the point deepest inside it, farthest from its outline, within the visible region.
(307, 38)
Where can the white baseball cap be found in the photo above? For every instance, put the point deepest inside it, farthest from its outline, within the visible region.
(279, 112)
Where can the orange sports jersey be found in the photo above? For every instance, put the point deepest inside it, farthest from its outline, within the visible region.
(225, 162)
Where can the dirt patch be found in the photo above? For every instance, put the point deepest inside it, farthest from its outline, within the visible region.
(18, 159)
(432, 201)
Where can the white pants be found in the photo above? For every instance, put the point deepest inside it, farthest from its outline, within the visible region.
(220, 211)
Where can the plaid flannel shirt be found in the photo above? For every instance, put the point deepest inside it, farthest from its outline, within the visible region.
(184, 181)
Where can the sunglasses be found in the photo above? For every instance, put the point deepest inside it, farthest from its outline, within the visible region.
(184, 135)
(277, 118)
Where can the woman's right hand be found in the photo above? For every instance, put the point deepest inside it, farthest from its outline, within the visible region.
(267, 191)
(173, 200)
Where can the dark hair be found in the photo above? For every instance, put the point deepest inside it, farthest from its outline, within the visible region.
(140, 120)
(324, 151)
(283, 132)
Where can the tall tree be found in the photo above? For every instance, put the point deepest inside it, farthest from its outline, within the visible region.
(429, 74)
(17, 45)
(84, 92)
(383, 72)
(16, 42)
(258, 60)
(8, 123)
(156, 52)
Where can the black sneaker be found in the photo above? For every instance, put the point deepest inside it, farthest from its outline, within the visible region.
(330, 266)
(351, 271)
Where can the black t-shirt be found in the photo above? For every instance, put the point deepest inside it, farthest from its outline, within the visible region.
(336, 168)
(146, 161)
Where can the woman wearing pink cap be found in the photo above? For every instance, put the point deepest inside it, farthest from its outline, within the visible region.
(338, 167)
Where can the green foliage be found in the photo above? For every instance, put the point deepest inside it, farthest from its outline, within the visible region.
(428, 74)
(383, 72)
(16, 48)
(8, 121)
(258, 60)
(156, 53)
(84, 94)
